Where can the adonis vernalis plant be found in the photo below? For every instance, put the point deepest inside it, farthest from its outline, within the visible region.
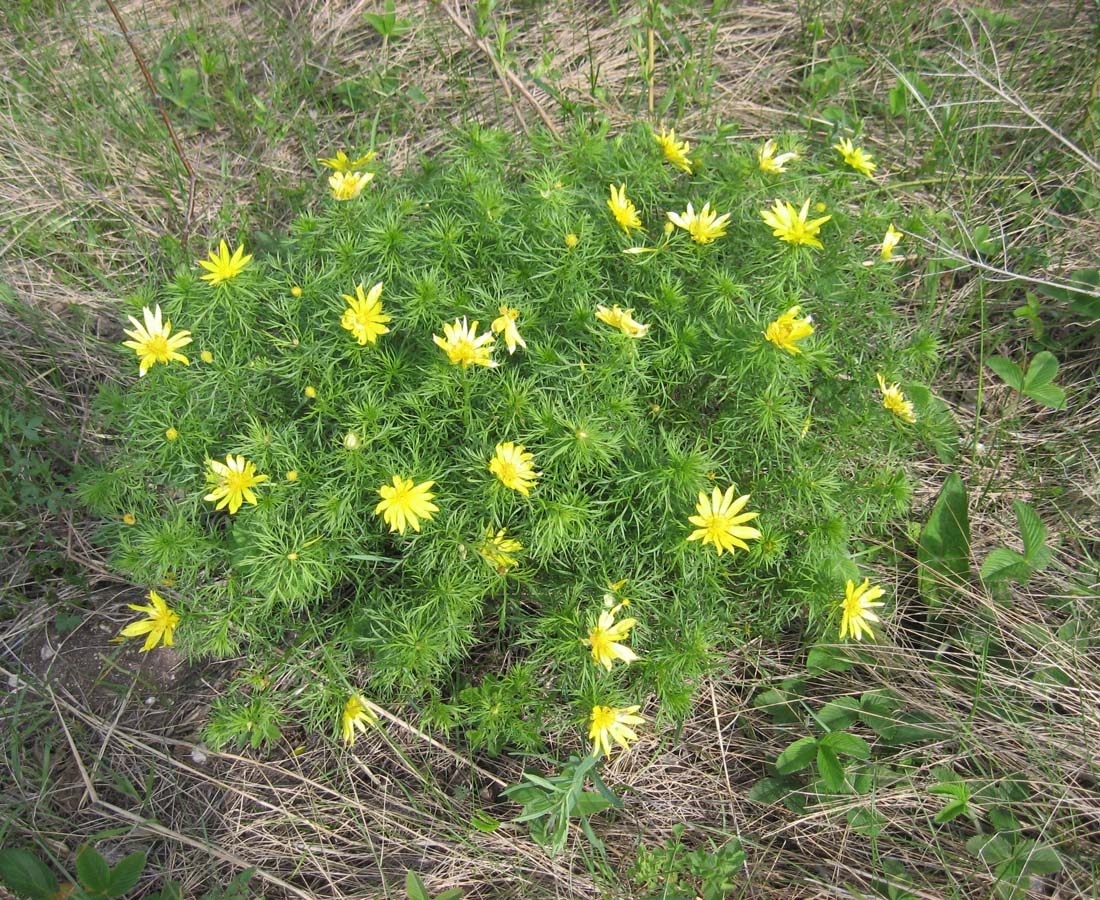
(466, 514)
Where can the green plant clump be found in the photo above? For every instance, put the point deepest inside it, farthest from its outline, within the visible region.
(628, 417)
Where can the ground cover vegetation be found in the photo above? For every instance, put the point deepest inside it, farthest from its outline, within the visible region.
(551, 501)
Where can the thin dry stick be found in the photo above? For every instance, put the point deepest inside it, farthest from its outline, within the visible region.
(159, 103)
(506, 75)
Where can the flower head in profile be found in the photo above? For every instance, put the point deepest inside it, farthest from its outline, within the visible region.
(890, 240)
(793, 227)
(233, 481)
(605, 637)
(856, 157)
(610, 724)
(154, 342)
(676, 152)
(158, 624)
(506, 322)
(464, 346)
(721, 522)
(769, 162)
(703, 226)
(405, 503)
(364, 317)
(623, 210)
(357, 716)
(223, 267)
(512, 465)
(341, 163)
(786, 331)
(499, 550)
(894, 400)
(623, 319)
(857, 610)
(348, 185)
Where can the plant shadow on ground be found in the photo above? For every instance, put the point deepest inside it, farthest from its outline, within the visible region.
(95, 203)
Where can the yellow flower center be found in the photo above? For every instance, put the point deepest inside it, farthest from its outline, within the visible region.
(157, 346)
(603, 717)
(507, 471)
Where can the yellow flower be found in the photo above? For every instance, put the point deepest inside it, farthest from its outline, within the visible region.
(605, 636)
(158, 624)
(623, 209)
(704, 226)
(129, 519)
(788, 329)
(769, 162)
(719, 522)
(858, 158)
(791, 226)
(363, 317)
(348, 185)
(571, 240)
(507, 324)
(498, 549)
(357, 716)
(622, 319)
(233, 481)
(890, 241)
(512, 465)
(341, 163)
(154, 342)
(206, 356)
(292, 475)
(856, 610)
(676, 152)
(608, 722)
(405, 503)
(295, 291)
(310, 392)
(894, 400)
(221, 266)
(464, 346)
(171, 434)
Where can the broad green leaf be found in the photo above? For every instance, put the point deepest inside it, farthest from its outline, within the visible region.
(25, 875)
(838, 714)
(1038, 859)
(1032, 530)
(450, 894)
(92, 870)
(1010, 373)
(484, 823)
(953, 810)
(989, 848)
(1042, 370)
(125, 873)
(877, 710)
(770, 790)
(415, 889)
(846, 744)
(797, 756)
(944, 548)
(1004, 564)
(866, 820)
(1049, 395)
(830, 769)
(590, 803)
(827, 658)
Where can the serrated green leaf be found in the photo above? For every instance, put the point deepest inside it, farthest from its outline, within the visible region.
(797, 756)
(125, 874)
(846, 744)
(957, 789)
(770, 790)
(838, 714)
(1032, 530)
(92, 870)
(1041, 371)
(1048, 394)
(1039, 859)
(944, 548)
(1010, 373)
(25, 875)
(991, 849)
(830, 769)
(1004, 564)
(953, 810)
(827, 658)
